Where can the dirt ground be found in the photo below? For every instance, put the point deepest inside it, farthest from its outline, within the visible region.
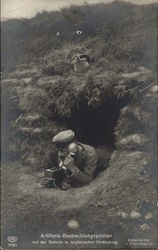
(102, 207)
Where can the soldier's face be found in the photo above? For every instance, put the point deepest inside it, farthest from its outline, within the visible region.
(63, 152)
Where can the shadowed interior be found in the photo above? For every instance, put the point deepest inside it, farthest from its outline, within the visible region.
(95, 126)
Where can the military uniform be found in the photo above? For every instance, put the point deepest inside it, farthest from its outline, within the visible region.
(79, 169)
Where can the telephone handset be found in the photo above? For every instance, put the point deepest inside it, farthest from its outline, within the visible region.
(73, 148)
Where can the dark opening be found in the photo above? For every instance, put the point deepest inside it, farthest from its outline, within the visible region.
(95, 126)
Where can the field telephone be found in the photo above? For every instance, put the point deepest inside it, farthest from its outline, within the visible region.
(54, 176)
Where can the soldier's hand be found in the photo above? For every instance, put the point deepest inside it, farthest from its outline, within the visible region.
(69, 163)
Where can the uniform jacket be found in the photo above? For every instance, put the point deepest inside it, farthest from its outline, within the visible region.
(86, 162)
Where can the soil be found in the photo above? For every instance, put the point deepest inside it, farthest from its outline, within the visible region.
(29, 210)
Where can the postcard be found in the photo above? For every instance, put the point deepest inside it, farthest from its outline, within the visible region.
(79, 124)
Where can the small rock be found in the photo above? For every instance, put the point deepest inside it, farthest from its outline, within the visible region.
(73, 224)
(119, 213)
(154, 89)
(124, 215)
(144, 163)
(135, 215)
(138, 203)
(149, 216)
(144, 227)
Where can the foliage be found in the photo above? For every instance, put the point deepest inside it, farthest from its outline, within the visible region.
(41, 82)
(128, 33)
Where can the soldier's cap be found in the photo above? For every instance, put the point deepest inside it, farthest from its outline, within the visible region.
(63, 137)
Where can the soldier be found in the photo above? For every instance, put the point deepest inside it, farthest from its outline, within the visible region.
(76, 160)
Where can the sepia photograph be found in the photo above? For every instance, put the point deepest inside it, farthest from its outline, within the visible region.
(79, 100)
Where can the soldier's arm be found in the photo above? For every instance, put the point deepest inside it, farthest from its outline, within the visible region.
(87, 174)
